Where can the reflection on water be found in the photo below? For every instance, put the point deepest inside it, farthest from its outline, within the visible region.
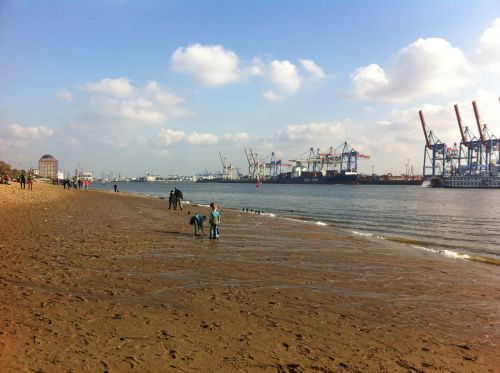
(464, 220)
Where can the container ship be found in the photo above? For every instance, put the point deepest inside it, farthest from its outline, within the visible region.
(329, 177)
(331, 166)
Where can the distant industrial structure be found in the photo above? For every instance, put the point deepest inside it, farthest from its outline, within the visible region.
(47, 166)
(474, 164)
(331, 166)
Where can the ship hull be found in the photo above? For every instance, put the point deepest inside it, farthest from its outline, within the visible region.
(316, 179)
(468, 181)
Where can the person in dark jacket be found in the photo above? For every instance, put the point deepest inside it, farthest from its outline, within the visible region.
(23, 181)
(171, 200)
(178, 198)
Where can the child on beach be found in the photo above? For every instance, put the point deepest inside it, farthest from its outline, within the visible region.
(197, 220)
(214, 222)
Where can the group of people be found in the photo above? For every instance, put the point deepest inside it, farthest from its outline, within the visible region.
(75, 183)
(23, 179)
(197, 221)
(175, 199)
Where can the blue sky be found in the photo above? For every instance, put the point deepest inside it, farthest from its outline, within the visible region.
(166, 86)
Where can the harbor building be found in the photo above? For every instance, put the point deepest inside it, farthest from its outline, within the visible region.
(47, 166)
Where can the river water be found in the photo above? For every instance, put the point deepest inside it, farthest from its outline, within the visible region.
(463, 223)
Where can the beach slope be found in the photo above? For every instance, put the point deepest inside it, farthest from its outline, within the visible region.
(100, 281)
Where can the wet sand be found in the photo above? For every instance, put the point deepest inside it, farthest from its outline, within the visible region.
(100, 281)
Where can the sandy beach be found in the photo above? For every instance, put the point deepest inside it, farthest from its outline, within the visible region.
(108, 282)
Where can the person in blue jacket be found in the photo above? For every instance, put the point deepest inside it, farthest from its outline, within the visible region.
(214, 221)
(197, 220)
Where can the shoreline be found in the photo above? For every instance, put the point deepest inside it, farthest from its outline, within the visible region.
(102, 281)
(444, 250)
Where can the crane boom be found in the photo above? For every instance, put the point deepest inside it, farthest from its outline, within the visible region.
(460, 125)
(478, 121)
(424, 127)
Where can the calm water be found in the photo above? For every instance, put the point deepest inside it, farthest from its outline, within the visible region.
(451, 221)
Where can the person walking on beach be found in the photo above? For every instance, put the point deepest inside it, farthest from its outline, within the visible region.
(197, 220)
(115, 188)
(171, 200)
(30, 181)
(178, 198)
(214, 222)
(23, 181)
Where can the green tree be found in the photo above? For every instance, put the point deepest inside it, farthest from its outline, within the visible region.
(4, 168)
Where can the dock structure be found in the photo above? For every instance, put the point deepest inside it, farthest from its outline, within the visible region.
(476, 155)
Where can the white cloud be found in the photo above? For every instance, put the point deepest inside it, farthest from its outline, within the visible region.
(197, 138)
(237, 137)
(212, 65)
(425, 67)
(312, 132)
(256, 68)
(311, 67)
(112, 87)
(168, 136)
(117, 102)
(39, 132)
(66, 95)
(162, 95)
(137, 110)
(487, 55)
(272, 96)
(285, 78)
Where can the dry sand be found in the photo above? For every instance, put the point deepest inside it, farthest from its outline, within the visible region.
(99, 281)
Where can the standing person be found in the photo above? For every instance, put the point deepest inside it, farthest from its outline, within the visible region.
(178, 198)
(115, 187)
(214, 222)
(171, 200)
(30, 181)
(23, 181)
(197, 220)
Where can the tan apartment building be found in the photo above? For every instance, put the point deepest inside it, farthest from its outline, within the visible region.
(47, 166)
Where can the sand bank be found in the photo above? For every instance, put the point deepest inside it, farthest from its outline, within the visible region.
(98, 281)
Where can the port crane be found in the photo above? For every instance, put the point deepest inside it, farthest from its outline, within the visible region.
(256, 169)
(343, 158)
(471, 148)
(439, 159)
(227, 168)
(489, 163)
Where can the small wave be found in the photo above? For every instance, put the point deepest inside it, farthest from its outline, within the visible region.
(458, 255)
(447, 253)
(269, 214)
(366, 234)
(454, 254)
(321, 223)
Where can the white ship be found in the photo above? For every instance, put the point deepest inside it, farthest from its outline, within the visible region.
(467, 181)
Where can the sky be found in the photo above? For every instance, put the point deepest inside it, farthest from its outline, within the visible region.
(165, 86)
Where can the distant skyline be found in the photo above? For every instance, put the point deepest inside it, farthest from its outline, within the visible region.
(124, 86)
